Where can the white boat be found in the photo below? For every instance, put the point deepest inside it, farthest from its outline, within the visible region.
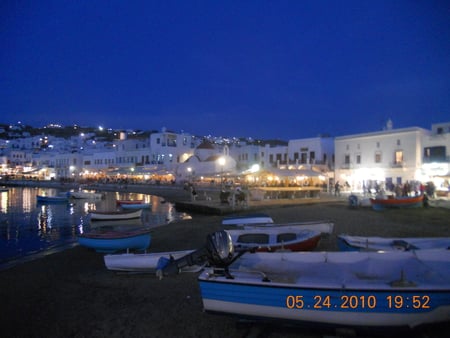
(273, 239)
(241, 220)
(115, 215)
(359, 243)
(82, 194)
(255, 221)
(338, 289)
(146, 262)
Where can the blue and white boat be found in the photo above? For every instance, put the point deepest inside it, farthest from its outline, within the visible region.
(52, 199)
(401, 289)
(360, 243)
(113, 241)
(136, 206)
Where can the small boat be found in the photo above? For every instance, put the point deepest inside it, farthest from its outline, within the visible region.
(271, 239)
(397, 202)
(146, 262)
(86, 195)
(255, 221)
(358, 243)
(4, 189)
(122, 202)
(392, 289)
(113, 241)
(117, 224)
(52, 199)
(241, 220)
(136, 205)
(115, 215)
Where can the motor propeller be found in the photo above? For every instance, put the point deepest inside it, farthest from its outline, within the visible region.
(218, 251)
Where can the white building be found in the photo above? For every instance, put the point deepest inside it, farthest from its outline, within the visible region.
(386, 158)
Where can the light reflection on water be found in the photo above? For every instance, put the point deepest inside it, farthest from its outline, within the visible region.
(28, 227)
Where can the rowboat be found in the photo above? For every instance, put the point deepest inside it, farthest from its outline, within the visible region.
(356, 289)
(86, 195)
(398, 202)
(275, 238)
(52, 199)
(257, 221)
(241, 220)
(122, 202)
(146, 262)
(136, 206)
(358, 243)
(113, 241)
(117, 224)
(115, 215)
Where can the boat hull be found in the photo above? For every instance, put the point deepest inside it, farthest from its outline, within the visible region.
(110, 242)
(113, 216)
(397, 203)
(325, 306)
(358, 243)
(367, 289)
(52, 199)
(144, 263)
(131, 206)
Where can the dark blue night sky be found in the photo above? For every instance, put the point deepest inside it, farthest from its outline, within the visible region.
(266, 69)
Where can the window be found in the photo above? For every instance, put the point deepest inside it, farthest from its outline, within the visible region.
(358, 159)
(398, 142)
(347, 159)
(378, 157)
(398, 157)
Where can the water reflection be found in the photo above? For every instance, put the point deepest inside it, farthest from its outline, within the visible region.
(28, 227)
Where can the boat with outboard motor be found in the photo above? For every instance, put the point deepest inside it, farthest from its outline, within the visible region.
(393, 289)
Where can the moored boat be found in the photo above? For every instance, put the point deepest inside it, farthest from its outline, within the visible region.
(359, 243)
(52, 199)
(275, 238)
(358, 289)
(113, 241)
(81, 194)
(115, 215)
(393, 289)
(136, 205)
(397, 202)
(145, 262)
(241, 220)
(122, 202)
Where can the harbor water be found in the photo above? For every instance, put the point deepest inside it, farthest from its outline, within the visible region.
(29, 229)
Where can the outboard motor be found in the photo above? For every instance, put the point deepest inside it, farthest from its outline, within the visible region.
(218, 251)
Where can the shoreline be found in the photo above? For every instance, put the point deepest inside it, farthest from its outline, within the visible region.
(72, 294)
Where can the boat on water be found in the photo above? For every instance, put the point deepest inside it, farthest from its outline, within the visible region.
(113, 241)
(146, 262)
(118, 224)
(397, 202)
(52, 199)
(271, 239)
(115, 215)
(4, 189)
(83, 194)
(122, 202)
(136, 206)
(359, 243)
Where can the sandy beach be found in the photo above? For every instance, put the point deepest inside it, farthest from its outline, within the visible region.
(72, 294)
